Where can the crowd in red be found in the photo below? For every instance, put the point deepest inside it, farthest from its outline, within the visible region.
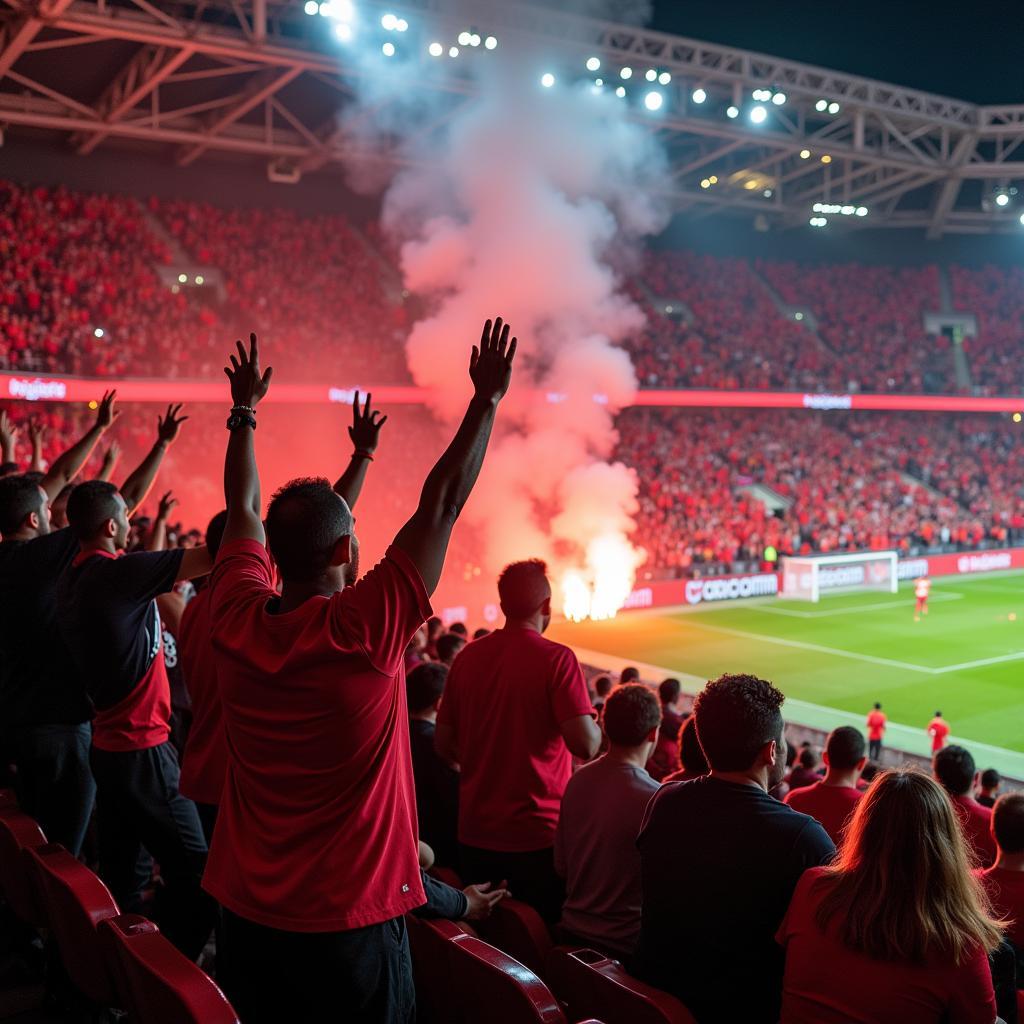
(996, 296)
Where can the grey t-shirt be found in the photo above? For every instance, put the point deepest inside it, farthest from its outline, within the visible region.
(595, 851)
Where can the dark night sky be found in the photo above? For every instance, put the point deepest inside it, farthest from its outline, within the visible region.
(973, 51)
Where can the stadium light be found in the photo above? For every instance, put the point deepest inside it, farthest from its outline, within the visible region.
(705, 183)
(593, 63)
(626, 74)
(474, 39)
(767, 193)
(826, 159)
(435, 49)
(182, 278)
(401, 25)
(490, 43)
(818, 222)
(732, 112)
(200, 279)
(1022, 218)
(798, 315)
(388, 49)
(98, 332)
(698, 95)
(664, 78)
(547, 80)
(343, 32)
(833, 108)
(654, 100)
(1002, 199)
(621, 92)
(312, 7)
(464, 38)
(453, 51)
(758, 114)
(1016, 417)
(804, 154)
(821, 105)
(389, 23)
(861, 211)
(651, 75)
(779, 98)
(847, 211)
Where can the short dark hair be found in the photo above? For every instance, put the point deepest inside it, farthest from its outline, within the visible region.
(630, 714)
(425, 684)
(459, 628)
(435, 624)
(523, 587)
(692, 757)
(954, 768)
(938, 714)
(19, 498)
(669, 690)
(870, 770)
(736, 716)
(1008, 822)
(990, 778)
(630, 674)
(808, 758)
(878, 707)
(449, 644)
(845, 747)
(91, 504)
(304, 522)
(215, 532)
(479, 634)
(603, 686)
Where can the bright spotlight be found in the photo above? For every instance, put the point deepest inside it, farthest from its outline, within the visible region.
(599, 83)
(758, 114)
(833, 108)
(732, 111)
(388, 49)
(804, 154)
(401, 25)
(821, 105)
(389, 23)
(779, 98)
(698, 95)
(182, 278)
(98, 332)
(200, 279)
(547, 79)
(1022, 218)
(474, 40)
(453, 51)
(343, 31)
(621, 92)
(1016, 417)
(861, 211)
(652, 75)
(464, 38)
(490, 43)
(818, 222)
(713, 179)
(1002, 199)
(311, 7)
(664, 78)
(767, 193)
(653, 100)
(798, 315)
(593, 63)
(847, 211)
(625, 74)
(327, 10)
(705, 183)
(435, 49)
(826, 159)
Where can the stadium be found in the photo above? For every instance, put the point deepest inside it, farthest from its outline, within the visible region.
(743, 424)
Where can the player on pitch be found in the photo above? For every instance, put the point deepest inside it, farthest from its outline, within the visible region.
(921, 589)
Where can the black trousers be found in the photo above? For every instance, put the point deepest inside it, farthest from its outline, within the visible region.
(141, 815)
(531, 876)
(875, 750)
(54, 783)
(363, 976)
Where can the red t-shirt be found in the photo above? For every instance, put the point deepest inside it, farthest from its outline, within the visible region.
(826, 982)
(205, 760)
(938, 730)
(876, 725)
(829, 805)
(976, 821)
(505, 698)
(1005, 889)
(317, 824)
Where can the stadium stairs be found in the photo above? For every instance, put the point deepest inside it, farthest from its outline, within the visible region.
(807, 319)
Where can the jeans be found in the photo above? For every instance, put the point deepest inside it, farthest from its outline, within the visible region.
(875, 750)
(362, 976)
(54, 783)
(141, 814)
(531, 876)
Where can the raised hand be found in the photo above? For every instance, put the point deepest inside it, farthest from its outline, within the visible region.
(167, 503)
(365, 429)
(36, 433)
(490, 365)
(248, 385)
(8, 435)
(167, 426)
(106, 413)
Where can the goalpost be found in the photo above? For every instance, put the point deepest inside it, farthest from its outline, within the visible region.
(806, 579)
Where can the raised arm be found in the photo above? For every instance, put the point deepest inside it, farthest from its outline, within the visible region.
(425, 537)
(36, 434)
(365, 435)
(241, 477)
(68, 465)
(8, 440)
(157, 540)
(139, 484)
(113, 453)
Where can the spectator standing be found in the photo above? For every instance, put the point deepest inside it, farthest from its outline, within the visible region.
(630, 674)
(1004, 881)
(876, 723)
(315, 859)
(805, 771)
(832, 800)
(602, 810)
(665, 757)
(448, 646)
(953, 767)
(602, 687)
(988, 788)
(938, 730)
(712, 942)
(896, 930)
(516, 692)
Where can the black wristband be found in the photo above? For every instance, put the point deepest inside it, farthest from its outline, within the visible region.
(240, 419)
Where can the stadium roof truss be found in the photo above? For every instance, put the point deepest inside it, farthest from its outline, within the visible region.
(262, 78)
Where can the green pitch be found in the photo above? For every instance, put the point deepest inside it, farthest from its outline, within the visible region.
(834, 659)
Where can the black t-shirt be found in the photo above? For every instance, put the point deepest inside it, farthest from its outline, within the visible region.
(437, 794)
(39, 683)
(719, 863)
(108, 617)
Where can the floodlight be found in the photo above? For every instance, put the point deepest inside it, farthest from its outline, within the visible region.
(474, 39)
(547, 80)
(732, 111)
(200, 279)
(98, 332)
(464, 38)
(389, 23)
(653, 100)
(826, 159)
(593, 63)
(401, 25)
(1016, 417)
(779, 98)
(453, 51)
(833, 108)
(1022, 218)
(804, 154)
(767, 193)
(625, 74)
(847, 211)
(435, 49)
(311, 7)
(758, 114)
(698, 95)
(343, 31)
(388, 49)
(1002, 199)
(182, 278)
(490, 43)
(861, 211)
(798, 315)
(664, 78)
(705, 183)
(713, 179)
(620, 92)
(821, 105)
(818, 222)
(816, 207)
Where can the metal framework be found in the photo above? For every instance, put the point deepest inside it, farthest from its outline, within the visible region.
(260, 77)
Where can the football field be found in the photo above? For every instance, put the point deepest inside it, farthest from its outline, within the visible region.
(835, 658)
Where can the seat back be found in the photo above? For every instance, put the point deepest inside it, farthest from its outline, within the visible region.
(495, 988)
(18, 832)
(156, 983)
(436, 988)
(76, 901)
(518, 930)
(590, 985)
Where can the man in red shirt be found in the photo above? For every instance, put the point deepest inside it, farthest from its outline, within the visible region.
(953, 768)
(1004, 881)
(922, 587)
(876, 731)
(515, 692)
(315, 855)
(938, 729)
(832, 800)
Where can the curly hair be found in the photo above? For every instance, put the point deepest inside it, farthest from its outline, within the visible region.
(736, 715)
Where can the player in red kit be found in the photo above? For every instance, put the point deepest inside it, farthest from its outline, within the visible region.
(921, 590)
(938, 730)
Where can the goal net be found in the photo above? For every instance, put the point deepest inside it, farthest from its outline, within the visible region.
(807, 579)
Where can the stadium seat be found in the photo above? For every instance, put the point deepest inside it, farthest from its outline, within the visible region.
(155, 983)
(76, 901)
(18, 832)
(431, 967)
(447, 875)
(516, 928)
(588, 982)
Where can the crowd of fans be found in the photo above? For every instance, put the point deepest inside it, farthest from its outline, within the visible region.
(995, 295)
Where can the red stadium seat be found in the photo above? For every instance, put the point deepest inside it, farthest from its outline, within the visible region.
(588, 982)
(431, 967)
(517, 929)
(157, 984)
(448, 876)
(18, 832)
(76, 901)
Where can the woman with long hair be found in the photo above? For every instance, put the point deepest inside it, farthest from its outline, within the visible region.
(897, 929)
